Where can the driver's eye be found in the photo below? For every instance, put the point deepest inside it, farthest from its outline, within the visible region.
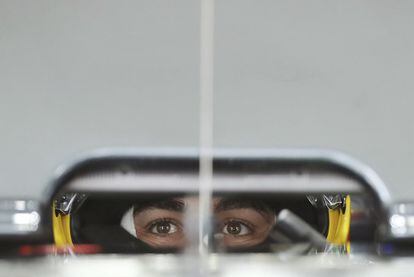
(163, 227)
(236, 228)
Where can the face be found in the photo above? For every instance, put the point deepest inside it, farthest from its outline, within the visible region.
(239, 223)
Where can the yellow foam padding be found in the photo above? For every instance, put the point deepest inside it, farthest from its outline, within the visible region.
(66, 228)
(333, 224)
(61, 229)
(339, 225)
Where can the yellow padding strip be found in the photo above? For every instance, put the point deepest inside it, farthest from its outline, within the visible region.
(333, 224)
(66, 228)
(339, 224)
(61, 229)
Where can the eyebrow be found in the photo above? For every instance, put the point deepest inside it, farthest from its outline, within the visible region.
(169, 205)
(231, 204)
(223, 205)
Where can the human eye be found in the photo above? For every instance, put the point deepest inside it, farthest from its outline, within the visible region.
(236, 228)
(164, 226)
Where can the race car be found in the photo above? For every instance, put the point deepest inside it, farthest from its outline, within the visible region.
(267, 202)
(142, 203)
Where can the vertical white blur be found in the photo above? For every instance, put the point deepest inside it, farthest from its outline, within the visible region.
(206, 120)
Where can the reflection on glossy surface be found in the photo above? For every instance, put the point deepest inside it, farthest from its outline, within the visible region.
(216, 265)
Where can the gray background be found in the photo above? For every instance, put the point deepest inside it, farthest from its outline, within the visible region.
(79, 75)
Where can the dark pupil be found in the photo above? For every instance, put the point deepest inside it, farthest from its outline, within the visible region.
(233, 228)
(163, 227)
